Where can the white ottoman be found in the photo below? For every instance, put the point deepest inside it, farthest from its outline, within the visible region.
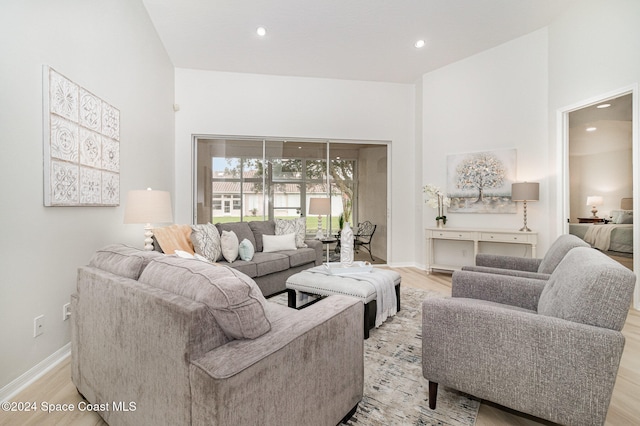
(354, 285)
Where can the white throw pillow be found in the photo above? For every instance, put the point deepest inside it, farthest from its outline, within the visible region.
(246, 250)
(229, 243)
(271, 243)
(296, 226)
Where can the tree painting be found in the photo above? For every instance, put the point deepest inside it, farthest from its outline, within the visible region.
(480, 172)
(480, 182)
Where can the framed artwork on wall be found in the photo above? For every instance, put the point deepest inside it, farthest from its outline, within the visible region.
(480, 182)
(81, 145)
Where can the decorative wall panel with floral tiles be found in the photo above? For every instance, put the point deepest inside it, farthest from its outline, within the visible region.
(81, 145)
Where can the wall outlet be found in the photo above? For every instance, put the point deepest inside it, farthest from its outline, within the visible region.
(66, 311)
(464, 253)
(38, 325)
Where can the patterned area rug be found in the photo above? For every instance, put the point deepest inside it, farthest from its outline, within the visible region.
(395, 393)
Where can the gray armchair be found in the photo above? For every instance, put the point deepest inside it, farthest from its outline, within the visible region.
(547, 348)
(527, 267)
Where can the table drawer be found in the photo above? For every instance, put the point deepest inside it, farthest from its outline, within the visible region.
(452, 235)
(515, 238)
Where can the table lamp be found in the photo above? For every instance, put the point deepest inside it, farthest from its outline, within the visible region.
(320, 206)
(525, 191)
(593, 201)
(148, 206)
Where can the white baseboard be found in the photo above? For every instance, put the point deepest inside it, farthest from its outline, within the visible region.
(33, 374)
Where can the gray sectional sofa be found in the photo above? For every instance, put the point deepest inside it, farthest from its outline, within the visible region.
(193, 343)
(271, 270)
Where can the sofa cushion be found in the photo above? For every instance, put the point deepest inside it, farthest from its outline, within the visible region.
(300, 256)
(268, 263)
(122, 260)
(234, 299)
(241, 229)
(260, 228)
(590, 288)
(230, 245)
(246, 267)
(206, 241)
(297, 226)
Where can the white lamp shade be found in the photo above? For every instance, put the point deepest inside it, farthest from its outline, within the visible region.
(525, 191)
(320, 206)
(148, 206)
(594, 200)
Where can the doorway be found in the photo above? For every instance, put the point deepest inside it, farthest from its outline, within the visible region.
(600, 170)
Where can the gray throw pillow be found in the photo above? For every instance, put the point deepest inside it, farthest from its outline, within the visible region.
(206, 241)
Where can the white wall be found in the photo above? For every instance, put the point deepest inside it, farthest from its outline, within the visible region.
(111, 49)
(494, 100)
(592, 52)
(222, 103)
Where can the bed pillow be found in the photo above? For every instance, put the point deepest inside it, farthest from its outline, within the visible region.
(229, 243)
(271, 243)
(621, 216)
(293, 226)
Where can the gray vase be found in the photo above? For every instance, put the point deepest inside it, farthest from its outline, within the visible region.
(346, 245)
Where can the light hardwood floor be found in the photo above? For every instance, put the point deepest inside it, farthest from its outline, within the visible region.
(56, 386)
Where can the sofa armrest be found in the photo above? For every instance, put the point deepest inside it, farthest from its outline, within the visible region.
(511, 272)
(309, 369)
(489, 351)
(505, 289)
(317, 246)
(508, 262)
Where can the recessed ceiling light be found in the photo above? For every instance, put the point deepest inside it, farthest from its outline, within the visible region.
(591, 129)
(603, 106)
(261, 31)
(419, 44)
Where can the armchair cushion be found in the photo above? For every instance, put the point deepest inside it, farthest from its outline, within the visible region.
(234, 300)
(512, 272)
(508, 262)
(585, 288)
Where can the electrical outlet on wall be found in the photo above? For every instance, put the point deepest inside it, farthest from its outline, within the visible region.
(66, 311)
(38, 325)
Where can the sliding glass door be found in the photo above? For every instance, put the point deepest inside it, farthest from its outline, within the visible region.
(245, 179)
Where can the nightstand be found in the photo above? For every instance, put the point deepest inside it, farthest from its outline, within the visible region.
(590, 220)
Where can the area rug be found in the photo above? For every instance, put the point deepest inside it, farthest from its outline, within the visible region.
(395, 393)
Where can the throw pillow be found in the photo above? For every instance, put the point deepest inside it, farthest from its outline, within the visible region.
(293, 226)
(206, 241)
(174, 237)
(271, 243)
(246, 250)
(229, 243)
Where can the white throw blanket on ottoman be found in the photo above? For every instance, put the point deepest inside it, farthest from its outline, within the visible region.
(382, 280)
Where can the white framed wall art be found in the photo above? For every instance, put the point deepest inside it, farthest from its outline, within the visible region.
(81, 145)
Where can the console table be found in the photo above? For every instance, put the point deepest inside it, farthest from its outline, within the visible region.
(476, 236)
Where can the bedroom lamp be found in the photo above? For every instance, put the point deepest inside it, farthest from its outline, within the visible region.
(593, 201)
(321, 207)
(525, 191)
(148, 206)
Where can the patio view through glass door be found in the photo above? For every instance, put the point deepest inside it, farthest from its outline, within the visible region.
(246, 179)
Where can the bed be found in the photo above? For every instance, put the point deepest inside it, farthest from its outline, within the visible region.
(614, 236)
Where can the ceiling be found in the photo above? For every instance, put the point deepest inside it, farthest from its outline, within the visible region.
(370, 40)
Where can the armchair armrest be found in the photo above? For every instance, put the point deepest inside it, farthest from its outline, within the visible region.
(479, 348)
(308, 367)
(508, 262)
(505, 289)
(511, 272)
